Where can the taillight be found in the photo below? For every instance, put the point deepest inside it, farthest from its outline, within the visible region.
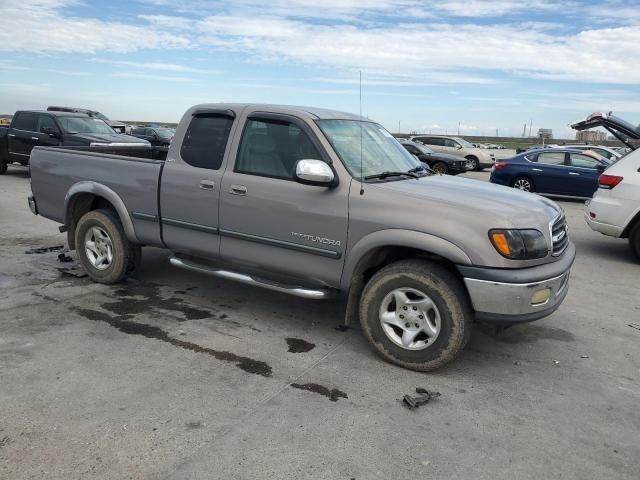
(499, 165)
(609, 181)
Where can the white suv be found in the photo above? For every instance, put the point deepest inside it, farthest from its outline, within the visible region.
(477, 158)
(614, 209)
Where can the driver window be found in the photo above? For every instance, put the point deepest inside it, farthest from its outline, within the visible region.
(45, 121)
(450, 143)
(271, 148)
(578, 160)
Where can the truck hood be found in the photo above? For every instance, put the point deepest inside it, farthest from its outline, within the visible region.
(498, 206)
(88, 138)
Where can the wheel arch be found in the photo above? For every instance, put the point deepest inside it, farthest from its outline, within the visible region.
(86, 196)
(634, 219)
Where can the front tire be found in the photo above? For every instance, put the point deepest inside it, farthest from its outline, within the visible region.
(441, 168)
(634, 240)
(104, 250)
(416, 314)
(474, 163)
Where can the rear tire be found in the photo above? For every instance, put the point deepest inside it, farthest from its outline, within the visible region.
(103, 248)
(3, 166)
(474, 163)
(440, 167)
(443, 317)
(523, 183)
(634, 240)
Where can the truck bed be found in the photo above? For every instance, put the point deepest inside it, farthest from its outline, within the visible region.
(135, 180)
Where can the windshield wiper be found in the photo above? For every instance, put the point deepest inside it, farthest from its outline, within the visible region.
(383, 175)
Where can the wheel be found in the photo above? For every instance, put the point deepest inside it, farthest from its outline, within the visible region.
(104, 250)
(3, 166)
(440, 167)
(416, 314)
(634, 240)
(523, 183)
(474, 163)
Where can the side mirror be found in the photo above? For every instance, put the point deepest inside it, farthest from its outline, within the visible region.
(315, 172)
(459, 147)
(52, 132)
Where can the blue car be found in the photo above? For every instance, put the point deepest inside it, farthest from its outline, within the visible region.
(553, 171)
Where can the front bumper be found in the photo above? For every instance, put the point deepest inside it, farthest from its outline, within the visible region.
(509, 296)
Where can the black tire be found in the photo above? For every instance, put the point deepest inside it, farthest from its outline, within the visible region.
(126, 255)
(3, 166)
(521, 180)
(445, 291)
(440, 167)
(634, 240)
(475, 163)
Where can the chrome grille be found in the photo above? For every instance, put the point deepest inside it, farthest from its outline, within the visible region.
(559, 235)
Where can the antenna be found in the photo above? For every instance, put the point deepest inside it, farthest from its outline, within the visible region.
(361, 171)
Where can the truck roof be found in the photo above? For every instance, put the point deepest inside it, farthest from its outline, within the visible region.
(316, 113)
(55, 113)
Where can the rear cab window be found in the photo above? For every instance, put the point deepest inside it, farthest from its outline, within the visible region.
(206, 140)
(26, 121)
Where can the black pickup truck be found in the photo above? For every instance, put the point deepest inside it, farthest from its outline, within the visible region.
(45, 128)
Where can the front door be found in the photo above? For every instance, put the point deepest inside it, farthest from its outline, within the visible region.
(270, 221)
(190, 187)
(46, 124)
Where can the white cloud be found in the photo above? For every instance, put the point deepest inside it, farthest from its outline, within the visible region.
(39, 26)
(147, 76)
(170, 67)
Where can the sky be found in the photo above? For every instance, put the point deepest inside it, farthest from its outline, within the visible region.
(427, 66)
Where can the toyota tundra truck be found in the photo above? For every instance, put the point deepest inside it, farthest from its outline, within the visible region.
(317, 203)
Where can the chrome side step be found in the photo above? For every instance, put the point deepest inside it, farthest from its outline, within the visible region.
(319, 294)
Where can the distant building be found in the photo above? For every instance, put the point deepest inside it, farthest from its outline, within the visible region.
(591, 136)
(545, 133)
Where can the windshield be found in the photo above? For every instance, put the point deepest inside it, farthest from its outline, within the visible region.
(381, 152)
(464, 143)
(422, 148)
(100, 116)
(84, 125)
(165, 132)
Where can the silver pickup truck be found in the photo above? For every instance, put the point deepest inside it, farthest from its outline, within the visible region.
(317, 203)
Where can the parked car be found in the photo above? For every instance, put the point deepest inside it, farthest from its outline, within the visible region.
(553, 171)
(52, 128)
(478, 158)
(601, 150)
(157, 136)
(438, 162)
(119, 127)
(266, 195)
(615, 207)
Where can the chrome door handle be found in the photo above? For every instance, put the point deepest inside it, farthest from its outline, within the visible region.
(536, 169)
(34, 138)
(11, 135)
(238, 190)
(574, 173)
(207, 185)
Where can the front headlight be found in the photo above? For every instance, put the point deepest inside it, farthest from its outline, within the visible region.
(519, 244)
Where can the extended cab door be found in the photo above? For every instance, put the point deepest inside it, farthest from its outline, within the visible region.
(269, 221)
(190, 186)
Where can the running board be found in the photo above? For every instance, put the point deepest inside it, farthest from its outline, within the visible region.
(319, 294)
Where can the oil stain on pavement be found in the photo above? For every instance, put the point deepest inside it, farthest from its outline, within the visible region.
(297, 345)
(334, 394)
(128, 305)
(122, 323)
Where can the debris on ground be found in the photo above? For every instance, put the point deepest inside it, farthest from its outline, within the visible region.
(634, 325)
(75, 270)
(413, 402)
(44, 249)
(584, 356)
(64, 258)
(556, 362)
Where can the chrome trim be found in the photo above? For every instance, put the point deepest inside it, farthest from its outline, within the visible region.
(558, 237)
(144, 216)
(191, 226)
(514, 298)
(119, 144)
(318, 294)
(281, 243)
